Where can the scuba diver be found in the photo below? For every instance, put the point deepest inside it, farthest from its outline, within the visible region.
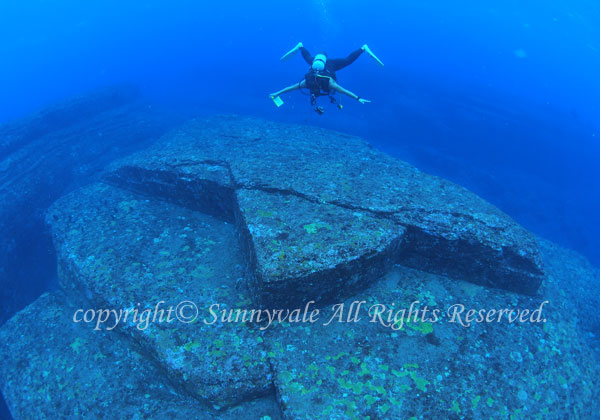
(321, 79)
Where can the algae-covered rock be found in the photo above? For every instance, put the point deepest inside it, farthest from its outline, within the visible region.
(119, 251)
(443, 227)
(305, 251)
(358, 363)
(55, 368)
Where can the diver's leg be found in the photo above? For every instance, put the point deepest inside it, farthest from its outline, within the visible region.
(340, 63)
(353, 56)
(306, 55)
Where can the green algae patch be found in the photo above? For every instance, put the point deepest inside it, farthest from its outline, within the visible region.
(202, 272)
(192, 345)
(311, 228)
(370, 400)
(77, 344)
(455, 407)
(422, 327)
(420, 383)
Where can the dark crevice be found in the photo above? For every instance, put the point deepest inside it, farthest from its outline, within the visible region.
(184, 163)
(4, 411)
(292, 192)
(312, 199)
(390, 215)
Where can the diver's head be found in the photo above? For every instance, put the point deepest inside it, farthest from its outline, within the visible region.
(318, 63)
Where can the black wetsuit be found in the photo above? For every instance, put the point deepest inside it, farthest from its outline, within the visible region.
(318, 81)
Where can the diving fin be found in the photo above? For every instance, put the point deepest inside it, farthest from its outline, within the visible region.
(291, 52)
(366, 49)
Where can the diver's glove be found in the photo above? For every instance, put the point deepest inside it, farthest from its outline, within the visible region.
(362, 101)
(291, 52)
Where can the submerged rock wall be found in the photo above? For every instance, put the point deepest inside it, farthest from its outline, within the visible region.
(43, 156)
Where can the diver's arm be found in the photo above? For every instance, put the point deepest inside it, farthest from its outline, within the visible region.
(299, 85)
(335, 86)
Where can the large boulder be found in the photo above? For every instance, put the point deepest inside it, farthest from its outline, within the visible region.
(321, 188)
(117, 251)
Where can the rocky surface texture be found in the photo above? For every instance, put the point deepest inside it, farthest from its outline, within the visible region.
(222, 212)
(576, 285)
(54, 368)
(441, 369)
(311, 202)
(121, 251)
(53, 151)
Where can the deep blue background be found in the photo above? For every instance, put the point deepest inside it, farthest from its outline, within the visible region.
(500, 96)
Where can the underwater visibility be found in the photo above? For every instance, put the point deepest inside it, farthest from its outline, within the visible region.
(299, 210)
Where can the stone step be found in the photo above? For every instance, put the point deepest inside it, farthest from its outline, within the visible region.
(303, 250)
(118, 250)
